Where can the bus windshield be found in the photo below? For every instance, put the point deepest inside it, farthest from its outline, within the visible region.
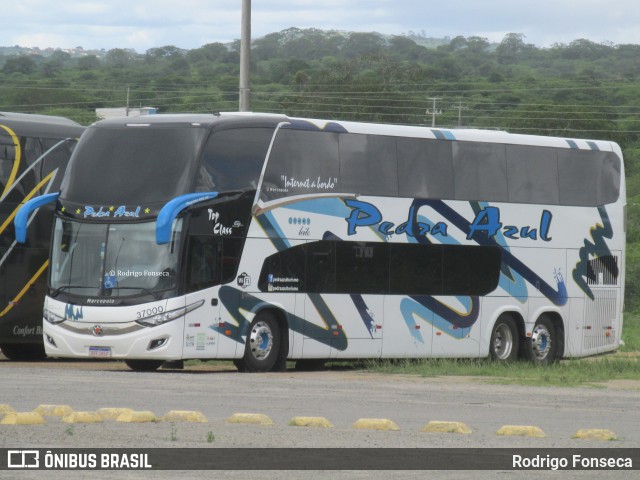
(133, 165)
(112, 260)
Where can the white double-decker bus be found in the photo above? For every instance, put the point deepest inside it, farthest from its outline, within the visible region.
(264, 238)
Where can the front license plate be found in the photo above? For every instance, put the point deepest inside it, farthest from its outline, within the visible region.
(100, 352)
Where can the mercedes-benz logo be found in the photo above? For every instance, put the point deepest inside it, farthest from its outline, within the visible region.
(97, 330)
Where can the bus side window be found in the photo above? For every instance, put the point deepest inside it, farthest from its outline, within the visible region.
(203, 260)
(231, 251)
(321, 267)
(7, 158)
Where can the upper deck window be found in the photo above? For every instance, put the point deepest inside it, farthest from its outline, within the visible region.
(302, 163)
(311, 162)
(233, 160)
(142, 165)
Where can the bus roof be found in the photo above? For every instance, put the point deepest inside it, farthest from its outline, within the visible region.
(46, 126)
(193, 119)
(265, 119)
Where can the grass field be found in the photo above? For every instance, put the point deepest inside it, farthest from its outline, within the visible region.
(622, 365)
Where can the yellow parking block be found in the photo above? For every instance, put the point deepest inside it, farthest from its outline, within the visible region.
(252, 418)
(310, 422)
(22, 418)
(82, 417)
(184, 416)
(376, 424)
(446, 427)
(521, 431)
(112, 413)
(595, 434)
(4, 409)
(53, 410)
(134, 416)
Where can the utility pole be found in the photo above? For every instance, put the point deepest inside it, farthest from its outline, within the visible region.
(127, 108)
(460, 108)
(245, 57)
(433, 112)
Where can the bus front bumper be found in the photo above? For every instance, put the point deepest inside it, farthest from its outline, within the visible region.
(113, 341)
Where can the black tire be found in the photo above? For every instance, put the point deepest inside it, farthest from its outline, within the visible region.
(23, 351)
(504, 342)
(144, 365)
(542, 346)
(263, 344)
(313, 365)
(239, 363)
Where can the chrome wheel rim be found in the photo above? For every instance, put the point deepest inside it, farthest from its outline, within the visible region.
(541, 342)
(503, 342)
(261, 340)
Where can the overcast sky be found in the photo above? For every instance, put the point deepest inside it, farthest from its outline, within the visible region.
(188, 24)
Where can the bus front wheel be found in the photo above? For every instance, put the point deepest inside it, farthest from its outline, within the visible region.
(504, 340)
(23, 352)
(263, 344)
(144, 365)
(542, 346)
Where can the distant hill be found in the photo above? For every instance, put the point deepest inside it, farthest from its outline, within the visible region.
(284, 37)
(76, 52)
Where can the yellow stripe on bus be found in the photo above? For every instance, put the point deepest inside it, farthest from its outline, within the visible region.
(26, 198)
(24, 290)
(16, 160)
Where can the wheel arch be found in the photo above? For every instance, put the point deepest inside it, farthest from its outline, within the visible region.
(518, 319)
(516, 315)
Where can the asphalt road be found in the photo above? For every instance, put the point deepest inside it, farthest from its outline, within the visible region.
(342, 397)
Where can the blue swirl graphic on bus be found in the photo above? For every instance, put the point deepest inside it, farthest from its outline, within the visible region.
(597, 248)
(236, 301)
(454, 323)
(557, 295)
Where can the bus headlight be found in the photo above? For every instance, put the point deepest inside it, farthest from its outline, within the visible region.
(51, 317)
(160, 318)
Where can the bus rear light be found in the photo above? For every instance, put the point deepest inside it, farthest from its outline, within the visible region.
(227, 332)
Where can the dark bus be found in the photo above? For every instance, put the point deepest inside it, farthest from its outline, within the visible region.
(34, 151)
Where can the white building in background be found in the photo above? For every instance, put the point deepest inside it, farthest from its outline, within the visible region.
(104, 113)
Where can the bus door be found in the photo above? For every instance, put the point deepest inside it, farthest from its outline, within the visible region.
(362, 279)
(320, 324)
(203, 269)
(344, 309)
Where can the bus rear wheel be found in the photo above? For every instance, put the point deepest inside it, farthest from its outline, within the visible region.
(263, 344)
(144, 365)
(504, 340)
(542, 346)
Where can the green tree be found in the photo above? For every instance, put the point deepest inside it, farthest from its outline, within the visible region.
(20, 64)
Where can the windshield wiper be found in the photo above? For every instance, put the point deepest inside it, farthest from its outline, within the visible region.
(59, 290)
(155, 295)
